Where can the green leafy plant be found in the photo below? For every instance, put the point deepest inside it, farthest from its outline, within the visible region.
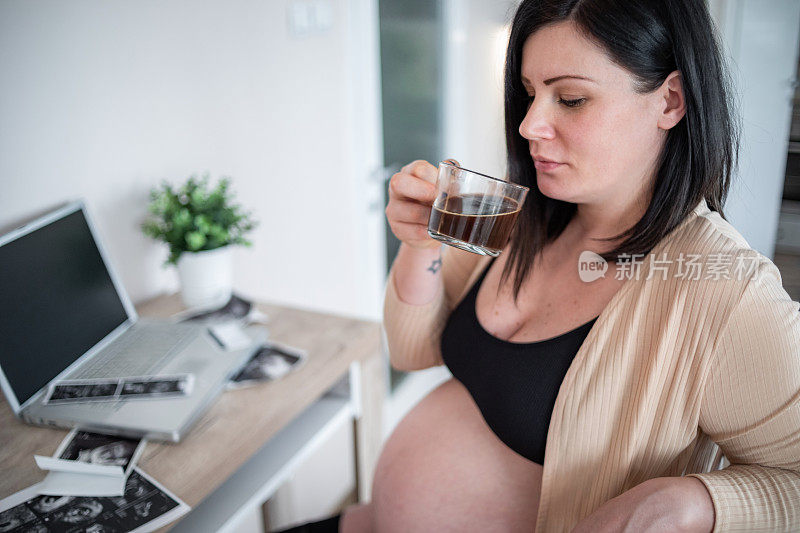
(195, 218)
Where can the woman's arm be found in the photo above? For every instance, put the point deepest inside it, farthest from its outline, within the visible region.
(414, 320)
(676, 504)
(417, 274)
(751, 409)
(413, 308)
(414, 302)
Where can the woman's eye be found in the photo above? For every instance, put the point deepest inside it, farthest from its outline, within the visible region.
(572, 103)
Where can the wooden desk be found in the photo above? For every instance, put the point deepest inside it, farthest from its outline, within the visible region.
(241, 421)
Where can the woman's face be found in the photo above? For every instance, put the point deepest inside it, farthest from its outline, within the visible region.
(602, 135)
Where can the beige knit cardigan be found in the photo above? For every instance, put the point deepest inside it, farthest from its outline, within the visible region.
(675, 372)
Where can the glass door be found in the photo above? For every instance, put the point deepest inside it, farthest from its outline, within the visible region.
(411, 88)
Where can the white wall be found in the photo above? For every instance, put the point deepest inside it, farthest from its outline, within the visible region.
(761, 40)
(474, 52)
(104, 99)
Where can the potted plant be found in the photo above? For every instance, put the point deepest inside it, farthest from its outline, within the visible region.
(200, 225)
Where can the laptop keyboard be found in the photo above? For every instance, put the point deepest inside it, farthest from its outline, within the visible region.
(142, 350)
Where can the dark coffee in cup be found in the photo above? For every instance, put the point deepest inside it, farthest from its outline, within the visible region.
(481, 220)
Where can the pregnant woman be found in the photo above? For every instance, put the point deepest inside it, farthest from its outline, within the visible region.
(608, 404)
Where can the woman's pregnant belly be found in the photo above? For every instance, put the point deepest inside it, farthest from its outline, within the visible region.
(444, 470)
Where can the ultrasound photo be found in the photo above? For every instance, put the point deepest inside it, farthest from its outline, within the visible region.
(270, 362)
(156, 387)
(75, 391)
(144, 507)
(15, 517)
(236, 308)
(98, 449)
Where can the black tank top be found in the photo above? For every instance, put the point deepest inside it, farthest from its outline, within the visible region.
(513, 384)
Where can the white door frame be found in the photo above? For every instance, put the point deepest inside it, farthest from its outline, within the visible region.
(365, 139)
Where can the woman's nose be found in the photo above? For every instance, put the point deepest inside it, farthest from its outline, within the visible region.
(536, 124)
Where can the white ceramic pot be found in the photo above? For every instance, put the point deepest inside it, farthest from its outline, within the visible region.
(206, 277)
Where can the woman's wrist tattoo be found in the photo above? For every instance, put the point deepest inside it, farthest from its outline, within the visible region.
(436, 265)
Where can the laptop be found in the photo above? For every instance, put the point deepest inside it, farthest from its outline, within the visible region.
(64, 315)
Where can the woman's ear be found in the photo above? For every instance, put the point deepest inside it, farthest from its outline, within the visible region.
(671, 100)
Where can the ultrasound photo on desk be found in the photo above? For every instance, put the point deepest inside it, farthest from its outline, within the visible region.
(270, 362)
(94, 448)
(145, 506)
(83, 391)
(236, 308)
(156, 386)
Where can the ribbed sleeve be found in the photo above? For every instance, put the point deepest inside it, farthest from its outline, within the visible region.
(751, 409)
(413, 332)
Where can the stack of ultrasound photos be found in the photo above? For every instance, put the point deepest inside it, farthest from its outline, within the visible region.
(141, 504)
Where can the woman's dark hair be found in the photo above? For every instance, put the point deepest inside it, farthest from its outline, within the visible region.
(650, 39)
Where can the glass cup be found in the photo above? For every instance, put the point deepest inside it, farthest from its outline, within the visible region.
(472, 211)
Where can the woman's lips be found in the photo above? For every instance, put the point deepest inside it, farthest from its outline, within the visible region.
(546, 166)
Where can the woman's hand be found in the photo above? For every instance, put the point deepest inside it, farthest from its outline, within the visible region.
(411, 195)
(680, 504)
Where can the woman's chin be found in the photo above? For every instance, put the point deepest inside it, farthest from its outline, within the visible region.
(567, 188)
(553, 190)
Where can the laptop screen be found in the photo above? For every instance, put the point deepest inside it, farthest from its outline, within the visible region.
(57, 300)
